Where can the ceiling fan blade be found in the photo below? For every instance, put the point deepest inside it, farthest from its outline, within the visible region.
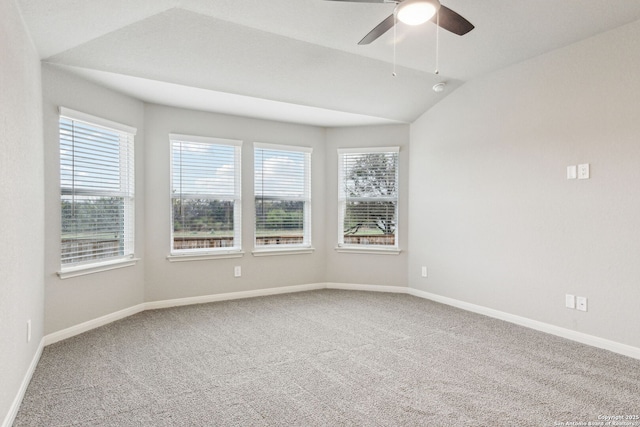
(379, 30)
(451, 21)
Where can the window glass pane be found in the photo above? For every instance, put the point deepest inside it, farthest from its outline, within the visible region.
(92, 228)
(370, 223)
(204, 168)
(205, 186)
(279, 222)
(96, 182)
(89, 157)
(368, 198)
(371, 175)
(202, 223)
(279, 173)
(282, 197)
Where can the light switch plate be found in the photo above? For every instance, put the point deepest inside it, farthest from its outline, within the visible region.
(570, 301)
(572, 172)
(583, 171)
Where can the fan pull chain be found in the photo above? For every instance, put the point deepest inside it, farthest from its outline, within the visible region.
(437, 42)
(395, 41)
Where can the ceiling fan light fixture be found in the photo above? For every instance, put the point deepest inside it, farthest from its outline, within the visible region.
(416, 12)
(439, 87)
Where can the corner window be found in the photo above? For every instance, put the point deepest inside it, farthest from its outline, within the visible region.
(96, 190)
(282, 185)
(368, 198)
(205, 195)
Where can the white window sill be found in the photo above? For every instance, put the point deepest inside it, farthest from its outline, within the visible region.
(204, 256)
(368, 250)
(83, 270)
(282, 251)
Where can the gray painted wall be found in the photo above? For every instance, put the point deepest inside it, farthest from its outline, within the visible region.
(374, 269)
(492, 214)
(75, 300)
(169, 280)
(22, 206)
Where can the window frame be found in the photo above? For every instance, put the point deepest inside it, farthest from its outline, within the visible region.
(198, 254)
(126, 153)
(342, 201)
(307, 243)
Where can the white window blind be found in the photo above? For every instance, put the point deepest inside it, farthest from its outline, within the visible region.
(205, 194)
(282, 183)
(97, 189)
(368, 197)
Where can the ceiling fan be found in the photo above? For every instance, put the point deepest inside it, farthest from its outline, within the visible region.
(415, 12)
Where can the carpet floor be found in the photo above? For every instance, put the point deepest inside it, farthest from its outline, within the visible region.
(326, 358)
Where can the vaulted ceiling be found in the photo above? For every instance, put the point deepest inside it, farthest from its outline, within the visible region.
(299, 61)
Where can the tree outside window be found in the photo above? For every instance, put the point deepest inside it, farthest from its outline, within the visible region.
(368, 197)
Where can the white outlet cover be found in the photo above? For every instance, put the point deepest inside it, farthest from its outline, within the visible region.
(424, 271)
(581, 303)
(237, 271)
(583, 171)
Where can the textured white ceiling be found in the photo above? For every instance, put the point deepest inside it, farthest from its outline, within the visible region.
(300, 53)
(158, 92)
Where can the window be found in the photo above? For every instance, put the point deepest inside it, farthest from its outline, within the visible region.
(97, 190)
(282, 183)
(368, 198)
(205, 195)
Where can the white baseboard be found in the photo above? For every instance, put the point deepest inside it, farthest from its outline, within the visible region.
(580, 337)
(17, 401)
(231, 296)
(92, 324)
(368, 288)
(104, 320)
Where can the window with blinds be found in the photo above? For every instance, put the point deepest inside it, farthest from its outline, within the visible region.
(205, 195)
(368, 197)
(282, 183)
(97, 189)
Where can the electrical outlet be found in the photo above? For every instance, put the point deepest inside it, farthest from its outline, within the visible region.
(237, 271)
(581, 303)
(570, 301)
(29, 330)
(424, 271)
(583, 171)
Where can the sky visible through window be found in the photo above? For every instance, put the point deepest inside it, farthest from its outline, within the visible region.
(279, 173)
(89, 157)
(203, 169)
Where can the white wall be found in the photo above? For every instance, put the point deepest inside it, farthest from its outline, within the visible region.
(375, 269)
(75, 300)
(492, 213)
(21, 204)
(169, 280)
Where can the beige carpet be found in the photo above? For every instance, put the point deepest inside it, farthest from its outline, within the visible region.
(325, 358)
